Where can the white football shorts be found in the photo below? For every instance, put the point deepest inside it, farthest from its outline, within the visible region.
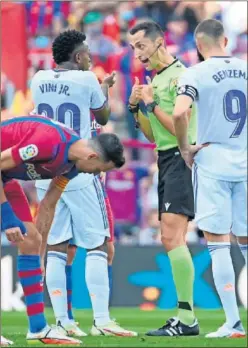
(80, 217)
(220, 206)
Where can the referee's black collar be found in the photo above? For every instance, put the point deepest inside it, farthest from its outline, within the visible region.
(168, 66)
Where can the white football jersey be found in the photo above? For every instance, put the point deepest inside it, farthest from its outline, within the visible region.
(219, 88)
(68, 96)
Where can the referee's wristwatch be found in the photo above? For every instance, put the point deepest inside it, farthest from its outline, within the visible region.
(151, 106)
(133, 108)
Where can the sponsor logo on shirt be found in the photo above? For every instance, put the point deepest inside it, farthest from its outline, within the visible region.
(31, 172)
(28, 152)
(95, 125)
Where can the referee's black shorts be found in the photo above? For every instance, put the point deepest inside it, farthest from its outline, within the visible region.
(175, 191)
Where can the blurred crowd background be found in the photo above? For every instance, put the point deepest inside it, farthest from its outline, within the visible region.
(133, 190)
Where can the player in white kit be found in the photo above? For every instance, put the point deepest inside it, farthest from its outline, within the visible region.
(68, 94)
(219, 87)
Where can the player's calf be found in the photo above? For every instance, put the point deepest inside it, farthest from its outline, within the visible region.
(32, 241)
(173, 228)
(57, 276)
(71, 252)
(30, 275)
(56, 280)
(28, 262)
(224, 277)
(96, 275)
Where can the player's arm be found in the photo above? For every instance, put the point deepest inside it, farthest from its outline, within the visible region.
(13, 227)
(47, 207)
(165, 119)
(186, 94)
(102, 114)
(181, 120)
(99, 98)
(7, 160)
(24, 151)
(145, 125)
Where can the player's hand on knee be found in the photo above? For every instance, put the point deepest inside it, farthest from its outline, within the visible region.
(14, 235)
(9, 221)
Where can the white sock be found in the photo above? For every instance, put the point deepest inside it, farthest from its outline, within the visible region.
(244, 250)
(56, 284)
(224, 279)
(96, 275)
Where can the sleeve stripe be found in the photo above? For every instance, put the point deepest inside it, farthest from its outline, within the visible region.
(61, 182)
(191, 89)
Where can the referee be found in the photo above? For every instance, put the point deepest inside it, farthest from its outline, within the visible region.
(175, 192)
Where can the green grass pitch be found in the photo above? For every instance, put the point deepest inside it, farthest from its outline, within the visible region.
(14, 326)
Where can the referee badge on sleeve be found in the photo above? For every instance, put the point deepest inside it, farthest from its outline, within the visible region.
(28, 152)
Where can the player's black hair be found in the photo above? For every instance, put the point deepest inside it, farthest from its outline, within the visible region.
(210, 27)
(110, 148)
(151, 29)
(65, 43)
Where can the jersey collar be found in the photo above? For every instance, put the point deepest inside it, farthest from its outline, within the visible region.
(166, 67)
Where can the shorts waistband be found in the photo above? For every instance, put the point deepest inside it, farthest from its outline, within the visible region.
(168, 152)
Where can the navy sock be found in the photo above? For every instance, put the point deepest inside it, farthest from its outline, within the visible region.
(110, 276)
(68, 271)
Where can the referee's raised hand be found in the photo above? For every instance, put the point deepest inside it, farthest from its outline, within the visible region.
(136, 94)
(147, 91)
